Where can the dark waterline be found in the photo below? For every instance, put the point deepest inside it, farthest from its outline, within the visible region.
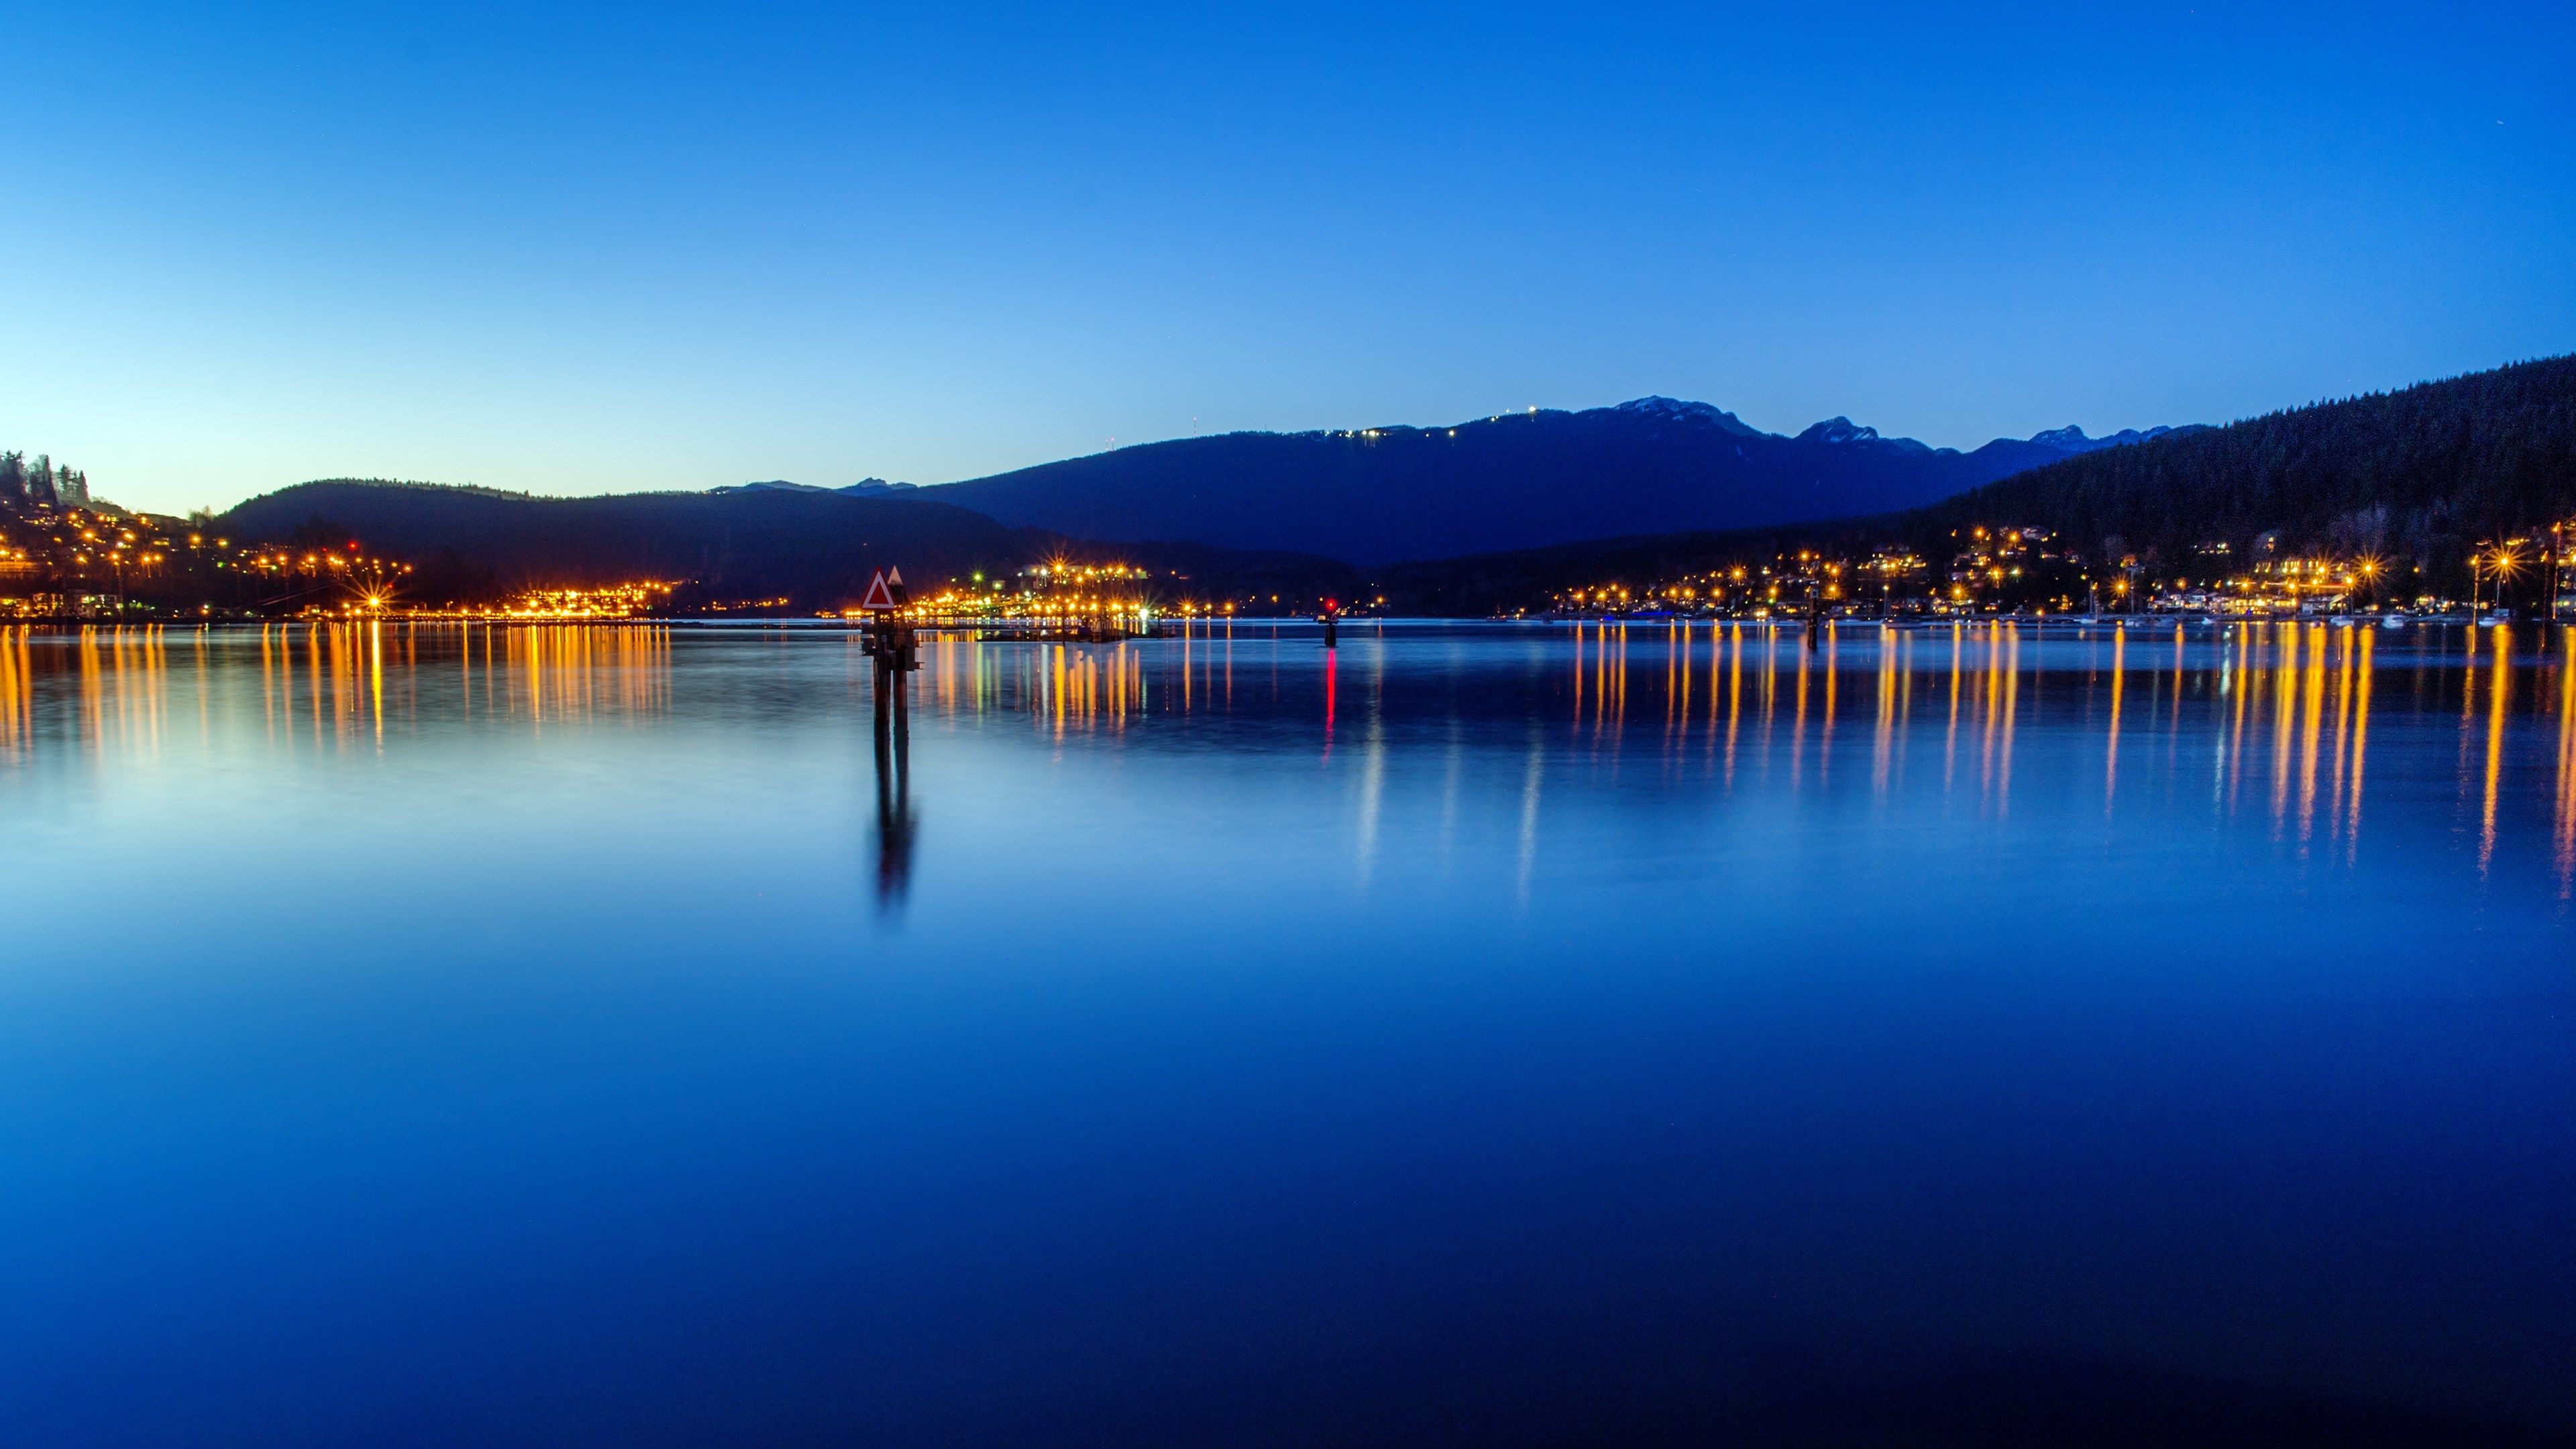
(1486, 1033)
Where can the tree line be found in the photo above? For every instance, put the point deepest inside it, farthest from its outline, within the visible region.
(2418, 476)
(41, 481)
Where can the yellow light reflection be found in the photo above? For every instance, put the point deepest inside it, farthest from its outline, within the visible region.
(2111, 747)
(2498, 690)
(2566, 853)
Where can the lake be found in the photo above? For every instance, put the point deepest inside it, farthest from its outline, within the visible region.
(1476, 1033)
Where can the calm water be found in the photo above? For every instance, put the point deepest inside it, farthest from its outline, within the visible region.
(1487, 1033)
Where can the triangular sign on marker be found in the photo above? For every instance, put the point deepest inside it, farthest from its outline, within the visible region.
(879, 596)
(893, 576)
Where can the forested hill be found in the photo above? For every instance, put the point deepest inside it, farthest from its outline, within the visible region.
(2418, 474)
(813, 549)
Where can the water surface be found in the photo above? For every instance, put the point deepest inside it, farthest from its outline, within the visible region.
(1495, 1033)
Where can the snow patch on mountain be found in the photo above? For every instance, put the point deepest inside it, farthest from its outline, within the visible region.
(1838, 430)
(1676, 410)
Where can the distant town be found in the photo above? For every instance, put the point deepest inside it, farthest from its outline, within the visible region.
(63, 556)
(2029, 571)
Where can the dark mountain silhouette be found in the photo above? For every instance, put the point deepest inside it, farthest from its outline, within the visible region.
(2418, 473)
(2415, 477)
(1375, 495)
(816, 549)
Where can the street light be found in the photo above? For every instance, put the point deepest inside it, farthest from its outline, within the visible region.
(2502, 567)
(2557, 552)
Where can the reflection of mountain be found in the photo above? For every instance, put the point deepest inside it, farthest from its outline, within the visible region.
(1518, 480)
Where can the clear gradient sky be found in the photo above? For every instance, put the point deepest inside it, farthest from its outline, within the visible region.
(663, 247)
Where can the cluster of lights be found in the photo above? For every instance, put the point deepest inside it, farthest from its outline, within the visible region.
(610, 601)
(1063, 592)
(85, 556)
(1056, 589)
(1061, 573)
(1991, 567)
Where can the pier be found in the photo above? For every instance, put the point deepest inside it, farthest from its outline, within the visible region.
(1103, 628)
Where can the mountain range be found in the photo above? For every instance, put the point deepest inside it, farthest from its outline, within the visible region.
(1483, 515)
(864, 488)
(1515, 480)
(1239, 515)
(2415, 477)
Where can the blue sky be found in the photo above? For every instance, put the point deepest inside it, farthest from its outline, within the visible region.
(667, 247)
